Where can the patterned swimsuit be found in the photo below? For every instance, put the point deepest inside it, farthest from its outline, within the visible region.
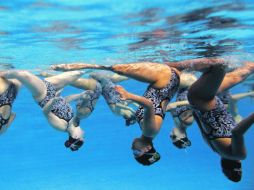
(157, 96)
(93, 96)
(7, 98)
(225, 97)
(181, 96)
(216, 123)
(110, 94)
(60, 107)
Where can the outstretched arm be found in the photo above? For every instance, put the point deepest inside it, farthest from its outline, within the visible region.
(237, 76)
(149, 127)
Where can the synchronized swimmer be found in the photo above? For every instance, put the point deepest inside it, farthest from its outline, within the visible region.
(205, 100)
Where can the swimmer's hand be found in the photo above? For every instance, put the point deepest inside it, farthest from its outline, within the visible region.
(124, 95)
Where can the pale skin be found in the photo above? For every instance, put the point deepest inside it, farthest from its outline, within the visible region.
(157, 75)
(38, 91)
(5, 110)
(90, 84)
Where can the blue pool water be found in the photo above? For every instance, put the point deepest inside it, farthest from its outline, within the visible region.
(36, 34)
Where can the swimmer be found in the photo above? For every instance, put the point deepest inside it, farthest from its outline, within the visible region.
(8, 92)
(217, 126)
(182, 112)
(163, 83)
(55, 108)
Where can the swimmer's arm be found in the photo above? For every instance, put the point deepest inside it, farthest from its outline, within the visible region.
(235, 77)
(172, 106)
(237, 97)
(149, 128)
(244, 125)
(197, 64)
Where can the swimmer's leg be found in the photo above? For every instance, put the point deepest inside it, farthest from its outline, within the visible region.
(237, 76)
(81, 83)
(153, 73)
(237, 141)
(64, 79)
(32, 82)
(201, 94)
